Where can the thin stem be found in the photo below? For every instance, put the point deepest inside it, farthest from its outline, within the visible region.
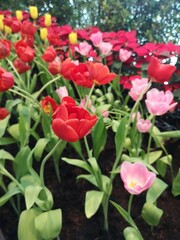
(87, 147)
(45, 160)
(130, 204)
(150, 139)
(89, 95)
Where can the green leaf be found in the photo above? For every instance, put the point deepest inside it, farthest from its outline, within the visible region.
(124, 214)
(96, 171)
(156, 136)
(26, 226)
(155, 190)
(20, 163)
(153, 156)
(11, 191)
(120, 137)
(49, 224)
(45, 199)
(77, 146)
(131, 233)
(7, 140)
(39, 148)
(6, 155)
(176, 185)
(31, 193)
(99, 137)
(78, 163)
(93, 200)
(151, 214)
(88, 177)
(14, 131)
(170, 134)
(3, 125)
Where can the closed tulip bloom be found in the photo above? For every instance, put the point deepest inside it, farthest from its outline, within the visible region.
(96, 38)
(33, 12)
(160, 72)
(136, 177)
(62, 92)
(6, 80)
(19, 15)
(143, 125)
(24, 52)
(50, 54)
(124, 55)
(73, 37)
(21, 66)
(7, 30)
(5, 48)
(105, 48)
(43, 33)
(47, 20)
(3, 113)
(159, 102)
(139, 86)
(72, 122)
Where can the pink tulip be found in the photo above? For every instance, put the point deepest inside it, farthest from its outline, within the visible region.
(89, 106)
(159, 102)
(96, 38)
(124, 55)
(135, 116)
(139, 86)
(105, 48)
(62, 92)
(136, 177)
(83, 48)
(143, 126)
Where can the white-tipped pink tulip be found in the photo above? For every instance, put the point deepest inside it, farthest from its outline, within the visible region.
(124, 55)
(143, 125)
(62, 92)
(159, 102)
(139, 86)
(136, 177)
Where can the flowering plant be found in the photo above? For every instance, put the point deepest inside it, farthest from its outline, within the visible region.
(61, 87)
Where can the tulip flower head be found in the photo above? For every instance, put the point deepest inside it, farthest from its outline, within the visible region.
(159, 102)
(62, 92)
(33, 12)
(6, 80)
(139, 87)
(136, 177)
(47, 20)
(143, 125)
(3, 113)
(83, 48)
(19, 15)
(73, 37)
(43, 33)
(124, 55)
(96, 38)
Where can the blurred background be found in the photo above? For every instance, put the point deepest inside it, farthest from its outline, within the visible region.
(154, 20)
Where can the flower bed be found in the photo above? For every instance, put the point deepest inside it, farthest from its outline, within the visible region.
(91, 100)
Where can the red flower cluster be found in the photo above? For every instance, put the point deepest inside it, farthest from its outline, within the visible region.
(6, 80)
(71, 122)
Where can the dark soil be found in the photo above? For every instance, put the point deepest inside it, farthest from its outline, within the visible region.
(69, 195)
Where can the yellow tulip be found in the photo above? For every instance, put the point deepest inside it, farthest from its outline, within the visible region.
(7, 29)
(1, 22)
(73, 37)
(43, 33)
(33, 12)
(47, 19)
(19, 15)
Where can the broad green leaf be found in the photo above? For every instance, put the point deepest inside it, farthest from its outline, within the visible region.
(88, 177)
(39, 148)
(176, 185)
(155, 190)
(156, 136)
(14, 131)
(6, 155)
(49, 224)
(77, 147)
(124, 214)
(3, 125)
(78, 163)
(31, 193)
(153, 156)
(96, 171)
(11, 191)
(151, 214)
(26, 226)
(99, 137)
(20, 163)
(93, 200)
(120, 137)
(170, 134)
(161, 167)
(7, 141)
(131, 233)
(29, 180)
(45, 199)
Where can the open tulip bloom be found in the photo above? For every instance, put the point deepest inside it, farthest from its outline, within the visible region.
(136, 177)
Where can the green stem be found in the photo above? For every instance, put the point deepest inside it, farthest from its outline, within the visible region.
(105, 205)
(130, 204)
(87, 147)
(45, 160)
(89, 95)
(150, 139)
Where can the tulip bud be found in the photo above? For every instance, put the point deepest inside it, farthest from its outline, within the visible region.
(19, 15)
(33, 12)
(43, 33)
(73, 37)
(7, 30)
(1, 22)
(47, 19)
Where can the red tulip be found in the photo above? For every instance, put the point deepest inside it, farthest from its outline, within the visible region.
(160, 72)
(71, 122)
(5, 48)
(24, 52)
(66, 67)
(6, 80)
(50, 54)
(21, 66)
(3, 113)
(48, 104)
